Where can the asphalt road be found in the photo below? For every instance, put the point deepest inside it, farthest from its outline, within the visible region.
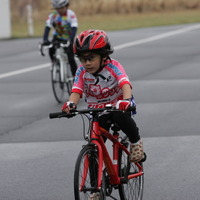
(37, 155)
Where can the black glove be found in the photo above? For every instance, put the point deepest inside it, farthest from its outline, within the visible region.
(46, 43)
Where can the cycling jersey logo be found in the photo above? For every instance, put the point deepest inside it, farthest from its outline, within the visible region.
(109, 78)
(115, 69)
(78, 72)
(95, 90)
(89, 79)
(100, 93)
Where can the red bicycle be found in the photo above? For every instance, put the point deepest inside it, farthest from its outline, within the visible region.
(98, 172)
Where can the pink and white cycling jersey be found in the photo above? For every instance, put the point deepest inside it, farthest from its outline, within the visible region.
(103, 89)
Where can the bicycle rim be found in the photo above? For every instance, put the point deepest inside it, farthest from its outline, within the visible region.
(59, 88)
(133, 189)
(85, 175)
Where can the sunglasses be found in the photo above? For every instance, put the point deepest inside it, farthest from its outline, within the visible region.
(84, 59)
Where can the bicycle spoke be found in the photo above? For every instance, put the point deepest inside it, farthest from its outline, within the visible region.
(133, 189)
(85, 175)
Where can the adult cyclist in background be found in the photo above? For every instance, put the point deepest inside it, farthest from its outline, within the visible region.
(65, 24)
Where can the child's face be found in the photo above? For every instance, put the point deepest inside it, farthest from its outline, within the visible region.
(91, 62)
(62, 11)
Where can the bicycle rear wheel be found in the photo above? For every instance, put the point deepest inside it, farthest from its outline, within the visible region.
(85, 175)
(133, 189)
(60, 90)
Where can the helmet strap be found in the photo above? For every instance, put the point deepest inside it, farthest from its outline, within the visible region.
(101, 66)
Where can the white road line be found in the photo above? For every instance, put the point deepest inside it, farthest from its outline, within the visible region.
(118, 47)
(21, 71)
(157, 37)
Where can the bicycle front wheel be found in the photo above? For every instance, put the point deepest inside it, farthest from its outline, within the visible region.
(59, 88)
(85, 175)
(133, 188)
(69, 79)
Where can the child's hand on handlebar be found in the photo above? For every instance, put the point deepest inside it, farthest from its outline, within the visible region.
(123, 105)
(46, 43)
(67, 106)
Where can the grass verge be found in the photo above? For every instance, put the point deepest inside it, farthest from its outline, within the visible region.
(116, 22)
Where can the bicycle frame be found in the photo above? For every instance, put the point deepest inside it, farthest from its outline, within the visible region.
(111, 165)
(62, 57)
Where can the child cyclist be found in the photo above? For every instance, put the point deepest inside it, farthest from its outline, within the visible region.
(64, 22)
(104, 81)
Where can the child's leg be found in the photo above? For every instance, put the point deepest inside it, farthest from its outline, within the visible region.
(105, 122)
(129, 127)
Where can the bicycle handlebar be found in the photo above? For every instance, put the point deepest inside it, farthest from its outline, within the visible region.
(84, 111)
(42, 47)
(55, 43)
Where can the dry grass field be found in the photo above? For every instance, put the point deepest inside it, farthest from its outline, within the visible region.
(108, 14)
(92, 7)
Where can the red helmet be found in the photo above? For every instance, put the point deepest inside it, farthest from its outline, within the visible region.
(94, 41)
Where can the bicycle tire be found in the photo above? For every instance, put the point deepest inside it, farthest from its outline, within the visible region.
(82, 191)
(133, 189)
(69, 79)
(58, 87)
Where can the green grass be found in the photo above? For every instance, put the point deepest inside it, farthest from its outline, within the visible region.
(117, 22)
